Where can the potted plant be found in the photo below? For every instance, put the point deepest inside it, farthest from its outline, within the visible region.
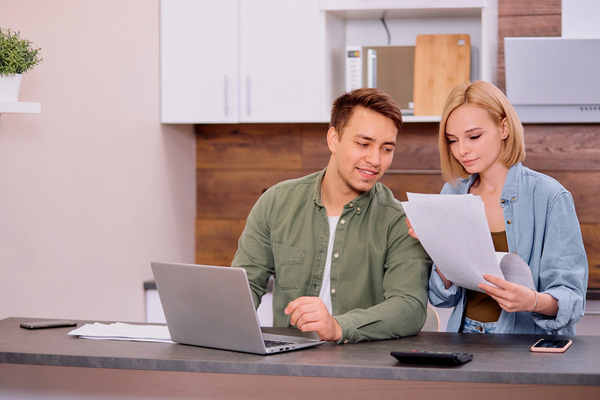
(17, 56)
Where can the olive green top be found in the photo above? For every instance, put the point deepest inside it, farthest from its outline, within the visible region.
(378, 272)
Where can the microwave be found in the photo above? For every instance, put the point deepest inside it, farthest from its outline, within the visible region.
(388, 68)
(419, 78)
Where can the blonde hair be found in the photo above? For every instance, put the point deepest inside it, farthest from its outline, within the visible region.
(489, 97)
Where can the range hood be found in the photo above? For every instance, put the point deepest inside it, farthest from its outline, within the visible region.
(554, 79)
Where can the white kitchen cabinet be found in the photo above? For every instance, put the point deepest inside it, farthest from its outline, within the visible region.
(281, 63)
(227, 61)
(199, 61)
(231, 61)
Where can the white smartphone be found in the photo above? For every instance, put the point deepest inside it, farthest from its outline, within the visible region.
(53, 323)
(552, 345)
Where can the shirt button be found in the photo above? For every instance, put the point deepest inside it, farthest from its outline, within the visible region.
(345, 341)
(337, 255)
(502, 201)
(509, 222)
(357, 208)
(343, 221)
(514, 198)
(351, 205)
(332, 291)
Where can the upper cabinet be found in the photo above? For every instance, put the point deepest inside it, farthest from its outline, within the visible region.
(281, 61)
(199, 61)
(225, 61)
(230, 61)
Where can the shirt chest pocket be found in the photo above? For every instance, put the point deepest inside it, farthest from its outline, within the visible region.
(288, 265)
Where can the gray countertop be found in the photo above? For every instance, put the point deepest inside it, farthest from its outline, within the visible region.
(496, 358)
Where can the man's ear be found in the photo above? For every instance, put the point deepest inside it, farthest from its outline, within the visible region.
(332, 139)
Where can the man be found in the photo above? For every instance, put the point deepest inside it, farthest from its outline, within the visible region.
(336, 240)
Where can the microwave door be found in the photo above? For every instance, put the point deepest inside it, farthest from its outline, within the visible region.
(372, 68)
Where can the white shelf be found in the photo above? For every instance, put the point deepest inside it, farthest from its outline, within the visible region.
(358, 23)
(358, 9)
(421, 118)
(20, 107)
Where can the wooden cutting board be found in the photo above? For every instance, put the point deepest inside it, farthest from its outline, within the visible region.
(441, 63)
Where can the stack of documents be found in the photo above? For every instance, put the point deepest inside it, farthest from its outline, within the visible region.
(454, 231)
(121, 331)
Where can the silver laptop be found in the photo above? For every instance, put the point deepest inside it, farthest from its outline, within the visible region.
(212, 306)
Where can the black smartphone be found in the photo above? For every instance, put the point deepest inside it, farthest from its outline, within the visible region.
(53, 323)
(552, 345)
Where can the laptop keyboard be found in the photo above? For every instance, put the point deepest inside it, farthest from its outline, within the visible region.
(273, 343)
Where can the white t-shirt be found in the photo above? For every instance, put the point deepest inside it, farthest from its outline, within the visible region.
(325, 293)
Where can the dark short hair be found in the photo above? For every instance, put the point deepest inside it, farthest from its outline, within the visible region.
(369, 98)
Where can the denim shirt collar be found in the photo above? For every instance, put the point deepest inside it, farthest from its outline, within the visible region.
(511, 184)
(510, 189)
(359, 204)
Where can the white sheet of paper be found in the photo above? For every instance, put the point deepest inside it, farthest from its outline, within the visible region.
(515, 269)
(453, 229)
(122, 331)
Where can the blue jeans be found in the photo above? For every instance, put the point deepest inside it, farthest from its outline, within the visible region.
(473, 326)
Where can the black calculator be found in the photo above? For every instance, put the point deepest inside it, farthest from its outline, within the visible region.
(432, 357)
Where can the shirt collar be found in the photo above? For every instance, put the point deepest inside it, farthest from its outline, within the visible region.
(359, 204)
(511, 184)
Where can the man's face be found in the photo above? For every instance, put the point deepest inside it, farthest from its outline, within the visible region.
(364, 151)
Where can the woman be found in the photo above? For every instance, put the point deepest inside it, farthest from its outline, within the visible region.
(481, 148)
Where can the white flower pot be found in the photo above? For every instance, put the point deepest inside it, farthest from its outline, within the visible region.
(9, 87)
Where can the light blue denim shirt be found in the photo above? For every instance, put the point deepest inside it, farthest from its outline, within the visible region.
(543, 229)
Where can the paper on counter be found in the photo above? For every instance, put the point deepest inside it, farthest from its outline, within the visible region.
(122, 331)
(454, 231)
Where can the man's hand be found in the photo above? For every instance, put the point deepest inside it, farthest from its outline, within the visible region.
(310, 314)
(411, 231)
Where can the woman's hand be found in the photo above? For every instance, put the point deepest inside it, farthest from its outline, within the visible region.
(513, 297)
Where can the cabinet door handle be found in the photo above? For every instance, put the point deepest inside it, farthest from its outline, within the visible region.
(248, 97)
(226, 94)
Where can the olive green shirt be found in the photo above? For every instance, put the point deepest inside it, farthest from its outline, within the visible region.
(379, 273)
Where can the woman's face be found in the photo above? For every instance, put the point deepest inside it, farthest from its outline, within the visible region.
(474, 139)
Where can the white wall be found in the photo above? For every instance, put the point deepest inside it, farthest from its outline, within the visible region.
(94, 187)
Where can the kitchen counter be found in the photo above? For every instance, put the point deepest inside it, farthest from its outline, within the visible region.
(497, 359)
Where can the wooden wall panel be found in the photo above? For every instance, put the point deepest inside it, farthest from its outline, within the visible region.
(257, 145)
(232, 193)
(315, 153)
(416, 148)
(216, 240)
(591, 241)
(529, 7)
(401, 183)
(585, 188)
(563, 147)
